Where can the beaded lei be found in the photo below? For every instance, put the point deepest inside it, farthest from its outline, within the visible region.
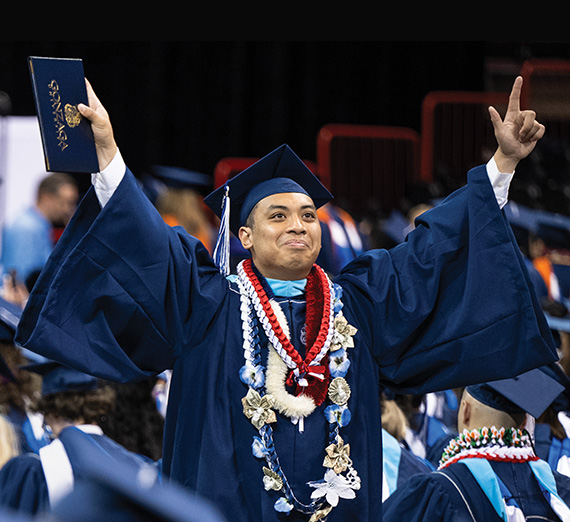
(507, 445)
(325, 359)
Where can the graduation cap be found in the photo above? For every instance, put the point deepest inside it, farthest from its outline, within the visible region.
(554, 231)
(59, 378)
(159, 177)
(119, 492)
(555, 371)
(279, 171)
(531, 392)
(178, 177)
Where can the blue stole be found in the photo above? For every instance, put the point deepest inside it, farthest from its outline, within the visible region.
(391, 455)
(501, 498)
(287, 288)
(282, 288)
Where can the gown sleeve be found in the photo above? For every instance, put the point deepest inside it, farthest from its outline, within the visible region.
(122, 292)
(453, 304)
(23, 487)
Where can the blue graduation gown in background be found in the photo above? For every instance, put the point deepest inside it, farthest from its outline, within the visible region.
(23, 485)
(435, 496)
(124, 296)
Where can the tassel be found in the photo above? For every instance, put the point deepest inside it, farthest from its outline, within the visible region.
(222, 250)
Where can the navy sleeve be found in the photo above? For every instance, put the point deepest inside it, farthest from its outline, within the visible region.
(123, 292)
(453, 304)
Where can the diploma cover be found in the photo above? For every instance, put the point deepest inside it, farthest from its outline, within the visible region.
(67, 138)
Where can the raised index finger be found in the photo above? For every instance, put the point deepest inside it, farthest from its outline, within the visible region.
(515, 96)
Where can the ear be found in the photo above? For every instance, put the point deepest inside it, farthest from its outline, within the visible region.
(244, 234)
(465, 411)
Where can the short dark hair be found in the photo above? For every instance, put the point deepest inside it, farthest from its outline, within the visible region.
(54, 181)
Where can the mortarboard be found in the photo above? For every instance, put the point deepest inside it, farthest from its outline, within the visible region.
(279, 171)
(562, 401)
(531, 392)
(554, 231)
(120, 492)
(178, 177)
(58, 378)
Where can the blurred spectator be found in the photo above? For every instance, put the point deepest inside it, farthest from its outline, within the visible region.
(551, 440)
(552, 259)
(9, 446)
(70, 400)
(398, 462)
(134, 420)
(18, 388)
(426, 434)
(28, 239)
(341, 238)
(178, 194)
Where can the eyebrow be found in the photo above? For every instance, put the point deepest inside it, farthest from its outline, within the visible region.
(271, 208)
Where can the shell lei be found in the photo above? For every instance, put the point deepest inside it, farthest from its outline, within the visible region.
(340, 478)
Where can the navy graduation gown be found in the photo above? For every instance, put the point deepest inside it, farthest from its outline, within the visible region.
(125, 296)
(454, 495)
(23, 485)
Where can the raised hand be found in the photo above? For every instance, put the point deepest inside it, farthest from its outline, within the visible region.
(101, 126)
(517, 133)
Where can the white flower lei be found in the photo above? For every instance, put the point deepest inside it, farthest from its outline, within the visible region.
(266, 390)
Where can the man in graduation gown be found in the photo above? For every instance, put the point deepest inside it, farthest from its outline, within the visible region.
(123, 296)
(490, 471)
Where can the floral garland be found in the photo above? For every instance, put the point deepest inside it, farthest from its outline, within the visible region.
(334, 336)
(505, 444)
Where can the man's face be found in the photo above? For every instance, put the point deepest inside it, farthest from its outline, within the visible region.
(59, 207)
(285, 238)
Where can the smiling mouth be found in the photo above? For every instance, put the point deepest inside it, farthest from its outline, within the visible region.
(296, 243)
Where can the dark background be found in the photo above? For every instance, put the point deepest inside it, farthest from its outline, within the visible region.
(190, 103)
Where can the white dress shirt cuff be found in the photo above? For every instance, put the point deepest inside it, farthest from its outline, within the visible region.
(107, 181)
(500, 182)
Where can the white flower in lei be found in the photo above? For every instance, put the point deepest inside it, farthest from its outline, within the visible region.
(266, 390)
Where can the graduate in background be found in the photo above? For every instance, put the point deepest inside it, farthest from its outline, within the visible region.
(71, 400)
(342, 240)
(180, 202)
(490, 472)
(120, 492)
(18, 389)
(550, 438)
(552, 237)
(398, 462)
(293, 425)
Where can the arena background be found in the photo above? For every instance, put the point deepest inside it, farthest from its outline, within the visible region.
(190, 103)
